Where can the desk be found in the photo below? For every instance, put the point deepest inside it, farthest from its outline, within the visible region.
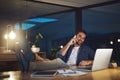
(106, 74)
(8, 56)
(8, 61)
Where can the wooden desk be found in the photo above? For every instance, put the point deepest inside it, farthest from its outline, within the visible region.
(8, 61)
(8, 56)
(106, 74)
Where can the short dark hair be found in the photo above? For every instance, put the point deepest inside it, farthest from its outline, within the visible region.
(82, 31)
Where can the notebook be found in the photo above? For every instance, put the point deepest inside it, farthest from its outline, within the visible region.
(101, 60)
(43, 74)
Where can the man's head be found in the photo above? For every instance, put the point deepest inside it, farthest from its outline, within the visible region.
(80, 36)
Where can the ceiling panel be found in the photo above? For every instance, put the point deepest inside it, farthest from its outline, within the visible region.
(16, 10)
(75, 3)
(20, 9)
(110, 9)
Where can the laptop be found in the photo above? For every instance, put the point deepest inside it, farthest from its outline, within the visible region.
(101, 60)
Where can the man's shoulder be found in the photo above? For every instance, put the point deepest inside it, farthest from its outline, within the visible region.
(85, 46)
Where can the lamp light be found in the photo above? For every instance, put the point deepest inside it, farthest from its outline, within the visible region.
(111, 42)
(10, 35)
(118, 40)
(6, 36)
(61, 46)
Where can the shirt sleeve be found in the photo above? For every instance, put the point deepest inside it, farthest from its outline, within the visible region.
(60, 56)
(91, 54)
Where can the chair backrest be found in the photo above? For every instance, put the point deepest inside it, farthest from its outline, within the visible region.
(26, 56)
(24, 63)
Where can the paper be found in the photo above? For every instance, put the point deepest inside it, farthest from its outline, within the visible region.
(70, 72)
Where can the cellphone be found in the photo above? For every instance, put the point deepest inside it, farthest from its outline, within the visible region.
(74, 36)
(75, 42)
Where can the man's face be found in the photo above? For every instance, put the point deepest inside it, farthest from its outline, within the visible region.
(80, 38)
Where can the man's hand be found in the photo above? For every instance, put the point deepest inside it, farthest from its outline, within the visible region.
(66, 47)
(85, 62)
(72, 41)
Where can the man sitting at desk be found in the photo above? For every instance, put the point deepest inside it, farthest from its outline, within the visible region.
(75, 53)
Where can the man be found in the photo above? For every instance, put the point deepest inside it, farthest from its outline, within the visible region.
(75, 53)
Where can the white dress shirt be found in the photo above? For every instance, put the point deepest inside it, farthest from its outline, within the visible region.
(73, 57)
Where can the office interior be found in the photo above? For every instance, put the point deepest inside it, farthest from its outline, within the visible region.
(100, 21)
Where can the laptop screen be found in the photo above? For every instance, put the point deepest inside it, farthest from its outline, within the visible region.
(102, 59)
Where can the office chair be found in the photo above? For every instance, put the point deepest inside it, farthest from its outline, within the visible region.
(25, 56)
(23, 62)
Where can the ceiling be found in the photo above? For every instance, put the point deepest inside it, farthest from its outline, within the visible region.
(17, 10)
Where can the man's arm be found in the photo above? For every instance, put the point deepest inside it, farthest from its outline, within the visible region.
(86, 62)
(66, 47)
(90, 53)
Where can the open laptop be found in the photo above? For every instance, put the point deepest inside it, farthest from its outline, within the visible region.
(101, 60)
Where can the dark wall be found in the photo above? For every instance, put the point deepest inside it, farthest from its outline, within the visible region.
(52, 31)
(101, 27)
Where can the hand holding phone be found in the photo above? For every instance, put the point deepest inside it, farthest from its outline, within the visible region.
(74, 36)
(73, 40)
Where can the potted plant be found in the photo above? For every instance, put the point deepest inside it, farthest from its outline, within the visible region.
(36, 44)
(38, 37)
(53, 54)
